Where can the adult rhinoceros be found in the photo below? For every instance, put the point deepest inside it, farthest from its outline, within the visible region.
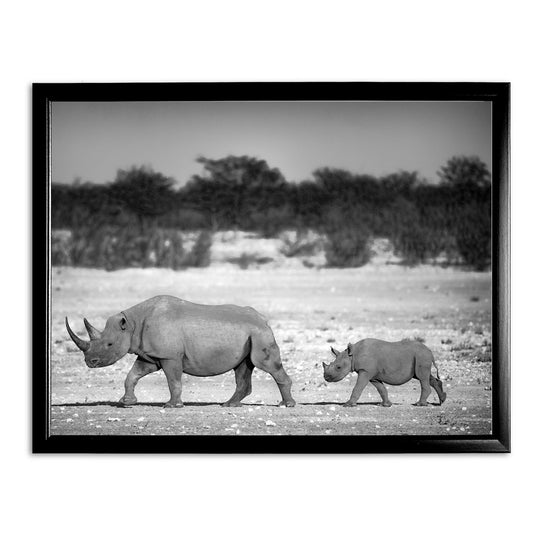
(179, 336)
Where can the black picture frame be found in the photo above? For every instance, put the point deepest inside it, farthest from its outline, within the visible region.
(43, 94)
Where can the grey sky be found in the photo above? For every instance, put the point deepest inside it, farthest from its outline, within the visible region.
(92, 140)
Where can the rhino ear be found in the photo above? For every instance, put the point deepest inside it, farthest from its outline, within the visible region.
(122, 323)
(349, 349)
(335, 352)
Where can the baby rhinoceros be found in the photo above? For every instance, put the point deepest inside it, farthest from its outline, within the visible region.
(379, 362)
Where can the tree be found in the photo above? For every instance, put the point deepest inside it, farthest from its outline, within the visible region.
(233, 188)
(400, 184)
(344, 188)
(465, 171)
(145, 193)
(470, 197)
(474, 238)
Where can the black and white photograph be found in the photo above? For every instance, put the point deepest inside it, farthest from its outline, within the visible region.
(274, 260)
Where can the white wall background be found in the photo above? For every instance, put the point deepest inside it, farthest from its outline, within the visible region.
(67, 41)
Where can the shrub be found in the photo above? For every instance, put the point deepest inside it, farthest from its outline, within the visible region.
(349, 247)
(200, 255)
(302, 244)
(269, 222)
(245, 260)
(187, 219)
(166, 249)
(84, 247)
(416, 244)
(416, 237)
(61, 247)
(112, 248)
(473, 235)
(124, 248)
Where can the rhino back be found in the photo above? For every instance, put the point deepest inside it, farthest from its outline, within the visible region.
(172, 308)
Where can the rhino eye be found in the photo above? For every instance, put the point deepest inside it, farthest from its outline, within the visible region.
(338, 367)
(109, 344)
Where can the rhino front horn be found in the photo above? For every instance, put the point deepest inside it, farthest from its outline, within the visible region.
(91, 330)
(80, 343)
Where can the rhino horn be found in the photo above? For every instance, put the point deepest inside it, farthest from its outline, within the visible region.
(80, 343)
(335, 352)
(324, 365)
(91, 330)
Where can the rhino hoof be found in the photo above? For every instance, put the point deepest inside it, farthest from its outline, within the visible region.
(385, 404)
(127, 402)
(349, 404)
(289, 403)
(420, 404)
(231, 404)
(169, 405)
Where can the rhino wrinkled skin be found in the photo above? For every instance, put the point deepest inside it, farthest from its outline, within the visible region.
(380, 362)
(182, 337)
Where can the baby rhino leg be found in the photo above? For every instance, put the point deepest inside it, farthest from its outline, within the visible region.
(361, 383)
(437, 385)
(382, 392)
(423, 373)
(173, 369)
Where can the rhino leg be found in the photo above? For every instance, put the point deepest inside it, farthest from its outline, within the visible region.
(361, 383)
(243, 379)
(423, 373)
(173, 369)
(266, 356)
(382, 392)
(437, 385)
(139, 369)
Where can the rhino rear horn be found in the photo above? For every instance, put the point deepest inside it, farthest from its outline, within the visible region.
(80, 343)
(91, 330)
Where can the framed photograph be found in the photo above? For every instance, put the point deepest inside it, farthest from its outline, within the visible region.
(271, 268)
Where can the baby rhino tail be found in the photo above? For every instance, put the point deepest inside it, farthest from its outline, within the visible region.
(437, 384)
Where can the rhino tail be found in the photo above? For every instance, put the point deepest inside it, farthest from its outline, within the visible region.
(436, 368)
(248, 347)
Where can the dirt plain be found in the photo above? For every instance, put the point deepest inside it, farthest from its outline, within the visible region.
(308, 310)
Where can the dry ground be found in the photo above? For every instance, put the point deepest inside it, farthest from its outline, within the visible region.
(308, 310)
